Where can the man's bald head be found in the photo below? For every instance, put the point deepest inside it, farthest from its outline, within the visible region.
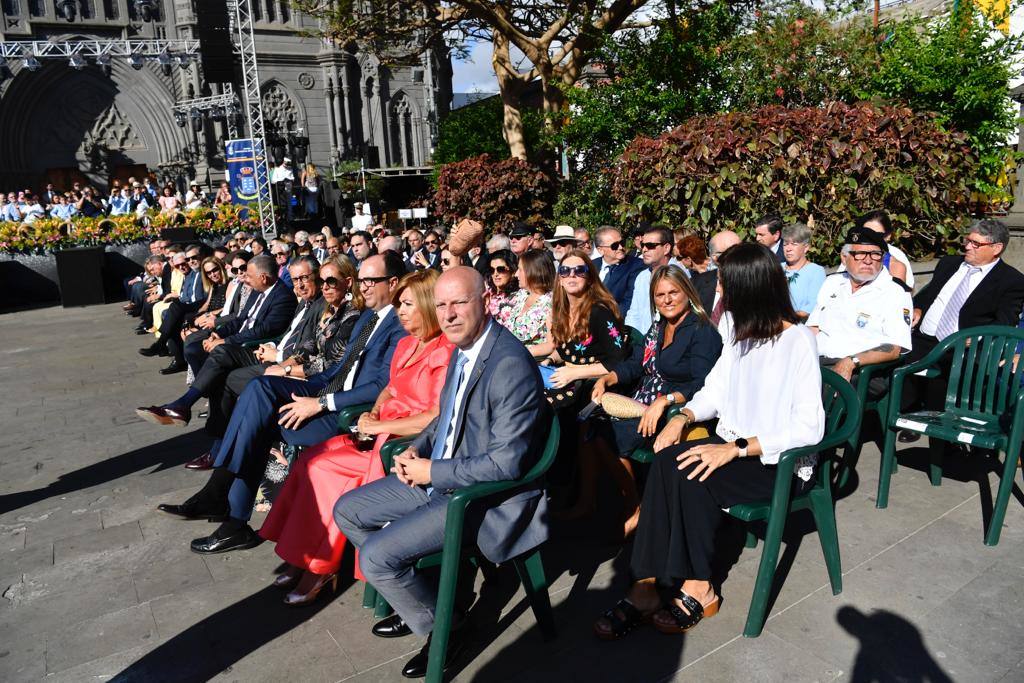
(722, 241)
(461, 299)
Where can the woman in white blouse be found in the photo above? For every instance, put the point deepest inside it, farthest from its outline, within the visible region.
(765, 391)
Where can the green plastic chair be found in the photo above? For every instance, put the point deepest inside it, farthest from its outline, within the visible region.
(982, 408)
(528, 566)
(645, 454)
(879, 406)
(349, 416)
(842, 422)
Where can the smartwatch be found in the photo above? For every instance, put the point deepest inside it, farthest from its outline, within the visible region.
(742, 444)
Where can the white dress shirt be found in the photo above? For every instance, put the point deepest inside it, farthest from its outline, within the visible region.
(251, 318)
(296, 321)
(930, 323)
(849, 322)
(769, 390)
(350, 380)
(471, 354)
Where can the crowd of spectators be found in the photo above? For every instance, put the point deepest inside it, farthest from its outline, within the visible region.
(133, 197)
(474, 353)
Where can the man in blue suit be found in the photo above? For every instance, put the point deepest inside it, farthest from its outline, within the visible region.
(492, 426)
(299, 412)
(616, 268)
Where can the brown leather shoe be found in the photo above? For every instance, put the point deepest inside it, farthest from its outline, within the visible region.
(163, 415)
(203, 462)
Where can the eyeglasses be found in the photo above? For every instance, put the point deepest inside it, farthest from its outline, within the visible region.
(280, 253)
(318, 240)
(573, 271)
(303, 278)
(564, 243)
(446, 262)
(183, 264)
(652, 245)
(430, 242)
(614, 246)
(968, 242)
(500, 269)
(371, 281)
(192, 258)
(332, 282)
(860, 256)
(211, 271)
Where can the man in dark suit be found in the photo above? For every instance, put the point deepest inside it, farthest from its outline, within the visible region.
(706, 283)
(768, 231)
(616, 268)
(975, 289)
(301, 413)
(492, 425)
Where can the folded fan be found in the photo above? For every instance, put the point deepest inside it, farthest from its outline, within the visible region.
(621, 407)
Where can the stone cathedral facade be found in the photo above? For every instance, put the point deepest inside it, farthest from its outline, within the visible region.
(59, 124)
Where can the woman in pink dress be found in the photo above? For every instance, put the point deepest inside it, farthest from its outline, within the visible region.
(302, 521)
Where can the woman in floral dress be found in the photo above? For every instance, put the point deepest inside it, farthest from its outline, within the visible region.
(501, 283)
(529, 316)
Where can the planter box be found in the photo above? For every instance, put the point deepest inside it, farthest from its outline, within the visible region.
(29, 281)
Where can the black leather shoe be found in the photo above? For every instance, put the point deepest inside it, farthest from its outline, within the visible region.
(174, 368)
(223, 541)
(391, 627)
(150, 351)
(417, 666)
(907, 436)
(196, 509)
(141, 331)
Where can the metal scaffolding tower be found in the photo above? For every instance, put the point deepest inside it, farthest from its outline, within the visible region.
(254, 114)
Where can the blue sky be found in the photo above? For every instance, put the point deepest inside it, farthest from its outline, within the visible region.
(475, 73)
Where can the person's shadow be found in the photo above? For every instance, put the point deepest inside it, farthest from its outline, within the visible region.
(891, 649)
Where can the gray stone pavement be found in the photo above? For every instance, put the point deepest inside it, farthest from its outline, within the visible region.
(97, 585)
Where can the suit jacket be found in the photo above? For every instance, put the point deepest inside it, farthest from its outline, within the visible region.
(273, 318)
(307, 328)
(706, 283)
(374, 368)
(165, 277)
(499, 434)
(620, 278)
(997, 299)
(777, 250)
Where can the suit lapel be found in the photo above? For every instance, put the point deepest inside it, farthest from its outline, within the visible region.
(474, 379)
(986, 289)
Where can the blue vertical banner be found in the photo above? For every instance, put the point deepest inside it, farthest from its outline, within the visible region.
(241, 163)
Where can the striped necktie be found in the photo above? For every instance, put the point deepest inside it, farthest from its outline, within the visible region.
(354, 352)
(445, 421)
(950, 320)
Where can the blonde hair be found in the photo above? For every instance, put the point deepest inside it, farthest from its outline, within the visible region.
(421, 284)
(348, 270)
(676, 276)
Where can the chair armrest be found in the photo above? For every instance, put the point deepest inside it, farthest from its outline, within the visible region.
(868, 371)
(349, 415)
(393, 447)
(673, 410)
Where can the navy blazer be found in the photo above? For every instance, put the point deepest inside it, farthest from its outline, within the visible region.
(705, 283)
(374, 368)
(619, 280)
(272, 320)
(683, 364)
(499, 434)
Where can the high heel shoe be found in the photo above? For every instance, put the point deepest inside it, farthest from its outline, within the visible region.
(287, 580)
(294, 599)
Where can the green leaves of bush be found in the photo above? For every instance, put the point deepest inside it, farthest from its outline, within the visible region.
(831, 163)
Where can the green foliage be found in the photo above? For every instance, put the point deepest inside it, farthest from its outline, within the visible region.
(476, 129)
(496, 193)
(831, 163)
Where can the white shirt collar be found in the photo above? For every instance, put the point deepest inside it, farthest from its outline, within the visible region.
(883, 276)
(984, 269)
(473, 352)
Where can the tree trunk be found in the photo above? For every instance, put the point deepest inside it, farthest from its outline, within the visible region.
(554, 104)
(510, 85)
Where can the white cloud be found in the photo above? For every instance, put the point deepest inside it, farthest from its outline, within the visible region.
(475, 73)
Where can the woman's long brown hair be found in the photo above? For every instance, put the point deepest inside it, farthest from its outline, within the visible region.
(566, 326)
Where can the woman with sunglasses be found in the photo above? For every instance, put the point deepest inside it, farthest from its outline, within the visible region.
(501, 283)
(586, 329)
(529, 313)
(765, 393)
(302, 519)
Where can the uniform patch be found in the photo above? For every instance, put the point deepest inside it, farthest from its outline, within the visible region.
(906, 315)
(862, 319)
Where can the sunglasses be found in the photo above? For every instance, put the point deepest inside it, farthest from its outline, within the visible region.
(564, 243)
(446, 261)
(371, 281)
(236, 271)
(500, 269)
(572, 271)
(614, 246)
(280, 253)
(211, 271)
(431, 242)
(190, 259)
(332, 282)
(652, 245)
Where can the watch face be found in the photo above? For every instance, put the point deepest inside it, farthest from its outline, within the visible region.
(741, 443)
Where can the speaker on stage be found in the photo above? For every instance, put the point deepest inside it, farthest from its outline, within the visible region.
(214, 33)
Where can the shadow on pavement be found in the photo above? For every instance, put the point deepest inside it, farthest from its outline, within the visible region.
(164, 455)
(891, 649)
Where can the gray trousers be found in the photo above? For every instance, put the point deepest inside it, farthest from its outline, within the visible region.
(387, 554)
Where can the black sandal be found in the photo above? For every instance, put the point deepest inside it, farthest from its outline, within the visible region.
(621, 626)
(684, 621)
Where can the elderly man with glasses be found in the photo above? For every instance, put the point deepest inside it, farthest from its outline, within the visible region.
(655, 245)
(616, 268)
(862, 315)
(282, 253)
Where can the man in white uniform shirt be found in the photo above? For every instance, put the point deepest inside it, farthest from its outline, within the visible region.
(862, 315)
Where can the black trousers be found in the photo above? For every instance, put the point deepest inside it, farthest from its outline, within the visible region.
(675, 539)
(212, 377)
(170, 327)
(920, 392)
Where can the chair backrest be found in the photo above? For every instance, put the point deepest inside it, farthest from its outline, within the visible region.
(982, 379)
(547, 458)
(842, 420)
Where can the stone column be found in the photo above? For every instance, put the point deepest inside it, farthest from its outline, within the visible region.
(329, 105)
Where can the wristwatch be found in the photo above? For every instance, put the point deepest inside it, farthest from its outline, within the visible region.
(855, 361)
(742, 444)
(288, 371)
(323, 402)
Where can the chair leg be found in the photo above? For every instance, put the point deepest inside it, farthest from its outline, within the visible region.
(936, 453)
(765, 574)
(531, 573)
(751, 539)
(995, 525)
(369, 596)
(886, 468)
(381, 608)
(825, 519)
(883, 410)
(443, 610)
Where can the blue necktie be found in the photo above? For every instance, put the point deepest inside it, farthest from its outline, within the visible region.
(444, 422)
